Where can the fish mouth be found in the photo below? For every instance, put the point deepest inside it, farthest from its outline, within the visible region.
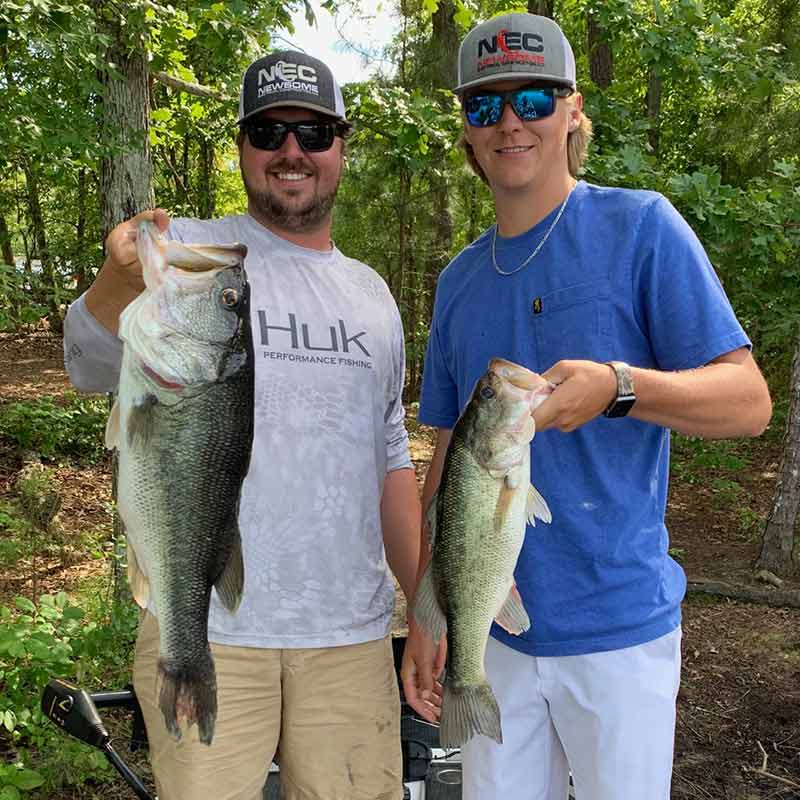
(160, 380)
(517, 376)
(204, 258)
(191, 257)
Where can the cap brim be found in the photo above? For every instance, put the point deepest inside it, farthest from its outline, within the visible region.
(558, 80)
(293, 104)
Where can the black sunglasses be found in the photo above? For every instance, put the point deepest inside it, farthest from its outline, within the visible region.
(313, 137)
(529, 103)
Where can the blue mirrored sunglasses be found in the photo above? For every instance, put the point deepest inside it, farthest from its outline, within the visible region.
(529, 103)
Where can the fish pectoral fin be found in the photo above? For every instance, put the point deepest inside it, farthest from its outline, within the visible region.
(141, 420)
(112, 427)
(428, 614)
(230, 584)
(137, 580)
(430, 519)
(536, 507)
(513, 617)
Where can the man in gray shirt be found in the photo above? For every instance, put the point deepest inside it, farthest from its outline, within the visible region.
(330, 501)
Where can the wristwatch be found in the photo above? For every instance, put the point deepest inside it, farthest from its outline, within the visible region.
(626, 397)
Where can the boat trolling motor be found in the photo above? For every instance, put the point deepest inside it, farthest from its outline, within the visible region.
(75, 711)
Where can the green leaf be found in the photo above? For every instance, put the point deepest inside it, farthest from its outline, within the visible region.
(8, 720)
(23, 604)
(27, 779)
(10, 793)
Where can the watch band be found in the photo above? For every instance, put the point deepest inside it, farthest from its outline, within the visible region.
(626, 396)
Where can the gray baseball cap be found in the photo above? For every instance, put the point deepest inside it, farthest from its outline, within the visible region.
(290, 78)
(515, 47)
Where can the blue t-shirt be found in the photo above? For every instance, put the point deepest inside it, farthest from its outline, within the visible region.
(621, 277)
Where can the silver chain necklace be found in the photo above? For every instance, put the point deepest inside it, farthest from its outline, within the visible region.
(538, 246)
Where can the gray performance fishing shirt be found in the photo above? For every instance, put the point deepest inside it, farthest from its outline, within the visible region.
(329, 425)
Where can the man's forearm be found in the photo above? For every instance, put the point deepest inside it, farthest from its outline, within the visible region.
(400, 520)
(110, 293)
(725, 398)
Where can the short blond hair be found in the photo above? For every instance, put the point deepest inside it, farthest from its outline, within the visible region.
(577, 148)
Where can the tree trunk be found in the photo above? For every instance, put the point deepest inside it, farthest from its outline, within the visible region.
(49, 294)
(397, 283)
(207, 202)
(83, 277)
(601, 58)
(779, 544)
(544, 8)
(444, 44)
(126, 176)
(5, 242)
(654, 107)
(185, 163)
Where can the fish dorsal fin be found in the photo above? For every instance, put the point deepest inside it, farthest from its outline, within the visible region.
(536, 507)
(512, 616)
(230, 584)
(430, 519)
(428, 613)
(112, 427)
(137, 580)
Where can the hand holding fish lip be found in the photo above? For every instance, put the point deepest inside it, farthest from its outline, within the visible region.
(583, 390)
(121, 246)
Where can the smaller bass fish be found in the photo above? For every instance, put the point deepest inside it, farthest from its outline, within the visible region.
(476, 525)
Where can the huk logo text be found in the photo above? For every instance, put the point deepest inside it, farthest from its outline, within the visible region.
(301, 336)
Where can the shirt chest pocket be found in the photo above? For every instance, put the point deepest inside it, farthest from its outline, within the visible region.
(574, 323)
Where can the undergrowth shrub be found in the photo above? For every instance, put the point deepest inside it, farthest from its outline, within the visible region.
(75, 428)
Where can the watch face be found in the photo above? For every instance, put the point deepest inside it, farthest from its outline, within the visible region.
(621, 407)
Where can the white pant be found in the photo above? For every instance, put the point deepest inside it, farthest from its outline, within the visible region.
(609, 718)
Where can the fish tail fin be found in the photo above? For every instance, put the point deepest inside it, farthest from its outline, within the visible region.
(189, 693)
(467, 711)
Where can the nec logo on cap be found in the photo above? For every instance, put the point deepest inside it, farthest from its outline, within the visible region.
(514, 48)
(284, 76)
(507, 41)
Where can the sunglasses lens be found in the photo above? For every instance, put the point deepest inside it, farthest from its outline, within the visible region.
(311, 136)
(314, 136)
(533, 103)
(482, 110)
(267, 136)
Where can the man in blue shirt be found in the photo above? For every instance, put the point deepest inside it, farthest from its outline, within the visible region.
(609, 294)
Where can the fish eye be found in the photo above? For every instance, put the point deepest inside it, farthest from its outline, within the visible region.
(230, 297)
(487, 393)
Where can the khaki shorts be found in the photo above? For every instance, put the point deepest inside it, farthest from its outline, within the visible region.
(334, 712)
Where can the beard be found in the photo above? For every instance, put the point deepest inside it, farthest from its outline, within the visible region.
(290, 217)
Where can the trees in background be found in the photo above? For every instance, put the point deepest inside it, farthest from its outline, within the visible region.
(100, 102)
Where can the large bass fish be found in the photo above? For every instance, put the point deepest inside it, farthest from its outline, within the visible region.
(183, 426)
(476, 524)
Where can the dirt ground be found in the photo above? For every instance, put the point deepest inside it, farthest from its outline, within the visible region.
(738, 730)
